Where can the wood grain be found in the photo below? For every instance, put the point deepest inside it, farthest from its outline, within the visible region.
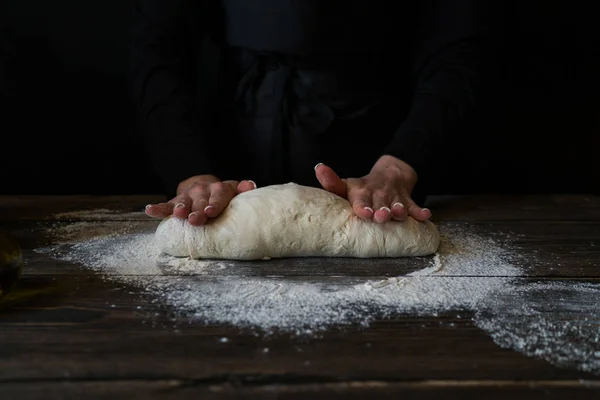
(68, 332)
(214, 389)
(84, 327)
(485, 208)
(89, 327)
(545, 249)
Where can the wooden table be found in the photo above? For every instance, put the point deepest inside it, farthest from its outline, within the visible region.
(60, 338)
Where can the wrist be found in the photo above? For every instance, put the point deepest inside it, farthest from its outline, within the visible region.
(390, 165)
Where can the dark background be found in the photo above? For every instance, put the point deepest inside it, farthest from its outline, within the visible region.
(67, 125)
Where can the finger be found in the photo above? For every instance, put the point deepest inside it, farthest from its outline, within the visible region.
(418, 213)
(381, 201)
(399, 211)
(160, 210)
(199, 195)
(197, 218)
(383, 214)
(182, 206)
(330, 180)
(360, 199)
(245, 186)
(423, 214)
(221, 194)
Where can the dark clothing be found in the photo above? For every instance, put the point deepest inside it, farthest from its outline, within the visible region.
(301, 82)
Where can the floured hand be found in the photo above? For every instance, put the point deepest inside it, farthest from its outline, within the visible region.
(381, 195)
(199, 198)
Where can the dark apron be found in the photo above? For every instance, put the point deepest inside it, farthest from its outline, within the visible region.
(290, 104)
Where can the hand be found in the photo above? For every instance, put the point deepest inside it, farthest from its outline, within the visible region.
(199, 198)
(381, 195)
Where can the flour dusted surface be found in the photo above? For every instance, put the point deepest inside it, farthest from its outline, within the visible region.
(230, 292)
(471, 272)
(294, 221)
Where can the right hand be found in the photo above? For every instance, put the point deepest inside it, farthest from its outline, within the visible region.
(199, 198)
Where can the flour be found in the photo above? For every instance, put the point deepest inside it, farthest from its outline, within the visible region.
(470, 272)
(466, 270)
(99, 213)
(566, 337)
(80, 231)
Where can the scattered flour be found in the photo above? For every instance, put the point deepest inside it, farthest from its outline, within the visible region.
(99, 213)
(556, 321)
(471, 272)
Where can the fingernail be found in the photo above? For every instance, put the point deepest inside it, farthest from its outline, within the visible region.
(208, 208)
(195, 213)
(317, 166)
(385, 209)
(369, 209)
(427, 209)
(179, 205)
(398, 205)
(148, 206)
(253, 184)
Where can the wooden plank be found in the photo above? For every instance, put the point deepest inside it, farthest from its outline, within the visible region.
(66, 328)
(490, 208)
(231, 389)
(546, 249)
(89, 328)
(546, 264)
(518, 208)
(23, 208)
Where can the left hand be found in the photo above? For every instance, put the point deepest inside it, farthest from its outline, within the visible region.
(381, 195)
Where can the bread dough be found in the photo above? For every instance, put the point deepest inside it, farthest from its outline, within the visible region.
(294, 221)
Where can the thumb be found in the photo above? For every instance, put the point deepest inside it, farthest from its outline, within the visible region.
(330, 181)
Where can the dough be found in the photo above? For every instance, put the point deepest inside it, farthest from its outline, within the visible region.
(294, 221)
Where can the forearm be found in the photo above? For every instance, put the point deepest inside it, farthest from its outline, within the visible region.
(162, 85)
(445, 83)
